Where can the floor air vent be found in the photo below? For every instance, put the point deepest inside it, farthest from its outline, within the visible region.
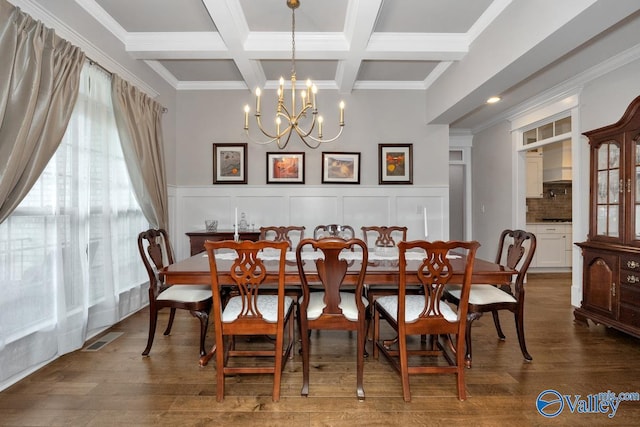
(102, 341)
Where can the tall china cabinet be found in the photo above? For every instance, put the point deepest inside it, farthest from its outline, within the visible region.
(611, 275)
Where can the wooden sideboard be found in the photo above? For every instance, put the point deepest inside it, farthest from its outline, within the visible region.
(197, 238)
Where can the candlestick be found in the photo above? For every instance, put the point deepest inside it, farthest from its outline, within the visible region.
(235, 227)
(314, 90)
(426, 230)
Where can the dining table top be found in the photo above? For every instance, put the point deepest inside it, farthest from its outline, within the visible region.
(382, 270)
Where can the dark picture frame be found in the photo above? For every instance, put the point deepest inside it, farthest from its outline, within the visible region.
(285, 168)
(230, 163)
(340, 168)
(395, 163)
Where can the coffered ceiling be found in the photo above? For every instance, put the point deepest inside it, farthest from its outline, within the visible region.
(346, 45)
(457, 51)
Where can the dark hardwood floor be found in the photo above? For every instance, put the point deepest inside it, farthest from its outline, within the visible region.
(117, 386)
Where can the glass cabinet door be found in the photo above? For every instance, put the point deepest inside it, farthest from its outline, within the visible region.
(635, 176)
(610, 187)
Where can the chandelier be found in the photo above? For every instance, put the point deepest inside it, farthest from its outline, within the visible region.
(298, 122)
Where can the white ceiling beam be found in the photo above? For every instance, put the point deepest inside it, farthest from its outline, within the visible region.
(360, 22)
(233, 28)
(437, 45)
(275, 45)
(176, 45)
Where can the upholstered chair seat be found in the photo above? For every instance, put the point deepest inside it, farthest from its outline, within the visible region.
(186, 293)
(347, 305)
(267, 306)
(483, 294)
(414, 305)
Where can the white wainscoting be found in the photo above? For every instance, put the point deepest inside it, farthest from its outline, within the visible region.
(309, 206)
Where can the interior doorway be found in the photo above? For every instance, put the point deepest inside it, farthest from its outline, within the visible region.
(460, 188)
(457, 202)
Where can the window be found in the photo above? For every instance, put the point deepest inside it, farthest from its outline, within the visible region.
(68, 253)
(549, 130)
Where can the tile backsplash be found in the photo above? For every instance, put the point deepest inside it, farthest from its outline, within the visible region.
(556, 202)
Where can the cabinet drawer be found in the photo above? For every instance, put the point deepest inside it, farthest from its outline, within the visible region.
(630, 294)
(629, 315)
(631, 277)
(630, 263)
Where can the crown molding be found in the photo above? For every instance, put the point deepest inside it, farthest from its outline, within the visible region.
(91, 51)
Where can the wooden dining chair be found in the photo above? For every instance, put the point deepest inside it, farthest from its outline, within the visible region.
(249, 312)
(410, 316)
(377, 237)
(156, 253)
(337, 306)
(515, 251)
(334, 230)
(381, 239)
(291, 234)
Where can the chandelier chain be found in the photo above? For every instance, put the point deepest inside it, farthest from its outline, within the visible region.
(293, 42)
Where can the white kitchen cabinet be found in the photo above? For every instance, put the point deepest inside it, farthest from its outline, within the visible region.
(534, 174)
(553, 245)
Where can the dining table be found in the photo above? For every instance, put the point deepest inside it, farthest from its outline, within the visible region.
(382, 270)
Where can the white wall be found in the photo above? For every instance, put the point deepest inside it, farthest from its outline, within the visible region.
(372, 117)
(603, 101)
(491, 186)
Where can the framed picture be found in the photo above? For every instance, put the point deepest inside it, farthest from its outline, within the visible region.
(341, 168)
(285, 168)
(230, 163)
(396, 163)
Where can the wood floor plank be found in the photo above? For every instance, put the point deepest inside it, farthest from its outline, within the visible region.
(116, 386)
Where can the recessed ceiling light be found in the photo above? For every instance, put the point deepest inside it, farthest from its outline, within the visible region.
(493, 100)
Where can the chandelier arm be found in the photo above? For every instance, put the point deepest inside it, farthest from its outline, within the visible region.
(286, 142)
(267, 134)
(304, 140)
(272, 138)
(299, 130)
(269, 141)
(284, 114)
(246, 132)
(328, 140)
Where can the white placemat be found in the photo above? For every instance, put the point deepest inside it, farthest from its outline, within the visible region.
(291, 256)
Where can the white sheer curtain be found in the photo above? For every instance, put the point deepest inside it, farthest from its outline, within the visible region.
(69, 264)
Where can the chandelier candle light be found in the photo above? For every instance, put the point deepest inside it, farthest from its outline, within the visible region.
(292, 119)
